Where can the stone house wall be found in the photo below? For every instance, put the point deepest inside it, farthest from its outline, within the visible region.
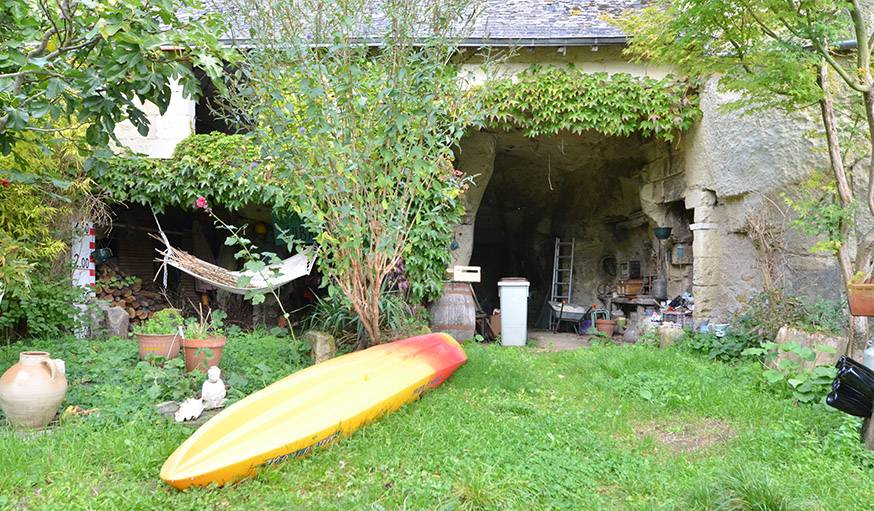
(727, 167)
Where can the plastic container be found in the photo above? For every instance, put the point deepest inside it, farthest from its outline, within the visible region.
(513, 293)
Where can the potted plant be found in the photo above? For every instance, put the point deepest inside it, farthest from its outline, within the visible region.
(860, 294)
(159, 335)
(204, 340)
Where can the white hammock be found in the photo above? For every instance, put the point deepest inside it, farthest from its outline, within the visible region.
(272, 277)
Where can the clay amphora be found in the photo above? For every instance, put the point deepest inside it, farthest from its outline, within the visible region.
(32, 390)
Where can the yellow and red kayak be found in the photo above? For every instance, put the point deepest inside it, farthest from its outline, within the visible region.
(311, 408)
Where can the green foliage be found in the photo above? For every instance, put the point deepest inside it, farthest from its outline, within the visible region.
(207, 325)
(108, 376)
(760, 49)
(818, 212)
(36, 203)
(46, 311)
(163, 322)
(95, 62)
(788, 373)
(726, 348)
(767, 312)
(225, 169)
(548, 100)
(334, 315)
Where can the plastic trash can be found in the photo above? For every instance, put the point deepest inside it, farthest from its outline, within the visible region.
(513, 293)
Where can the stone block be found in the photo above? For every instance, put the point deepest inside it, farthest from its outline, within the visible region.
(324, 347)
(117, 322)
(809, 340)
(669, 334)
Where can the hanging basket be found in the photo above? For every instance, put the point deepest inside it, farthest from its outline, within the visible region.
(861, 298)
(662, 233)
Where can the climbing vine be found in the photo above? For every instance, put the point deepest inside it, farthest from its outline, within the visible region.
(547, 100)
(226, 169)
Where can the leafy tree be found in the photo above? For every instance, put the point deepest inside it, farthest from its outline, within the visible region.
(358, 109)
(70, 70)
(787, 54)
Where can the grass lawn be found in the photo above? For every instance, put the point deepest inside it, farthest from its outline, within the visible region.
(611, 427)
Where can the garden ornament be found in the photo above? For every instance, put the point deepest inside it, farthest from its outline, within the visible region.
(213, 392)
(189, 409)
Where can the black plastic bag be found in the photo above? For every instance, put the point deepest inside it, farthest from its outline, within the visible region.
(858, 380)
(848, 401)
(845, 361)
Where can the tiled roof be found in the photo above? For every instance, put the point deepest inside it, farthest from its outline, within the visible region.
(551, 19)
(534, 22)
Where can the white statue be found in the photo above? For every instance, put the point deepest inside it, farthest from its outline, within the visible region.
(189, 409)
(213, 392)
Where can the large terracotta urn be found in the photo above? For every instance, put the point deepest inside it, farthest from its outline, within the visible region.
(31, 391)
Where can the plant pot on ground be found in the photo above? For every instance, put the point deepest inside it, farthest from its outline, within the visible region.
(204, 341)
(606, 326)
(861, 298)
(159, 335)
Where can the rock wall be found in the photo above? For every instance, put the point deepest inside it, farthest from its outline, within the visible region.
(736, 165)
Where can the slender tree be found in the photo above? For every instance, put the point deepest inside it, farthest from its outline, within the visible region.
(358, 106)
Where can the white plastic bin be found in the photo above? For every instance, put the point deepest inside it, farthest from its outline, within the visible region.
(513, 292)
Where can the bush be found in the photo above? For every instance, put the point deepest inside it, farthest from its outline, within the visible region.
(726, 348)
(47, 309)
(767, 312)
(335, 316)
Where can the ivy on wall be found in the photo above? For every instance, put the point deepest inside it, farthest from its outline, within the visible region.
(545, 100)
(226, 169)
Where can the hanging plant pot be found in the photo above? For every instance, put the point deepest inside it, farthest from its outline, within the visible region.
(662, 233)
(861, 298)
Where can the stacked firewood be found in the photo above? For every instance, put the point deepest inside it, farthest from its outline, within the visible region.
(140, 300)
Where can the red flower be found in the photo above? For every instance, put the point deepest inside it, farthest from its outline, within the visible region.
(4, 182)
(200, 203)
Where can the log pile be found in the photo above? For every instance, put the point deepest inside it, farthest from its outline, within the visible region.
(140, 300)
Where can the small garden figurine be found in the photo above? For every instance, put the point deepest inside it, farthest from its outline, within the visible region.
(213, 391)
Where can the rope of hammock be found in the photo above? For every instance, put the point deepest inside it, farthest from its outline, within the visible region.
(273, 276)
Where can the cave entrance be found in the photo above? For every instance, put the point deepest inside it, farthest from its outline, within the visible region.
(586, 187)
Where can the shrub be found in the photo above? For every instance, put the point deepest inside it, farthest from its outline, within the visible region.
(47, 310)
(767, 312)
(806, 385)
(335, 316)
(726, 348)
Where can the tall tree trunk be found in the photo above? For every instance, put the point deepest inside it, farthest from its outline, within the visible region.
(858, 327)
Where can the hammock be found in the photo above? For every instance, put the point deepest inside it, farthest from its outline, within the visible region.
(270, 278)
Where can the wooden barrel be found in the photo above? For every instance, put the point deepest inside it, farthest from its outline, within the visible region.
(455, 312)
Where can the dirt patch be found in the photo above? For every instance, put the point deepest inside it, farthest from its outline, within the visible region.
(686, 437)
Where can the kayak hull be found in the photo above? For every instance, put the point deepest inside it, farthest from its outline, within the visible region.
(311, 408)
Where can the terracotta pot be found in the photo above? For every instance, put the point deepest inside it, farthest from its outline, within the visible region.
(158, 345)
(605, 326)
(32, 390)
(201, 354)
(861, 298)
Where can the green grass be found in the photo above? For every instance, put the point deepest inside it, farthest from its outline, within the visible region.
(512, 429)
